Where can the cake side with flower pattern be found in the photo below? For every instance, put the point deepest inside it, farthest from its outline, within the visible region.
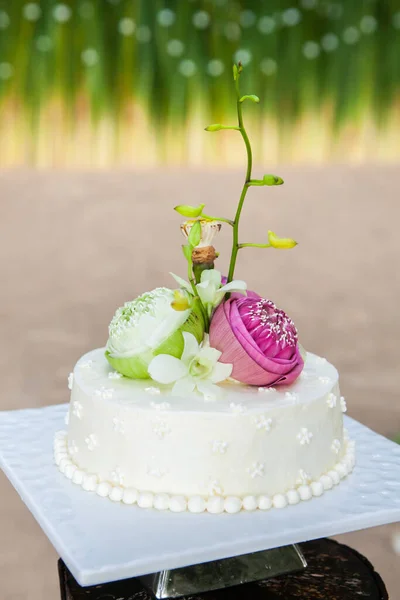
(204, 399)
(250, 448)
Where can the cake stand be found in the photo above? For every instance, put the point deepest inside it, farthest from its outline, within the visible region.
(101, 541)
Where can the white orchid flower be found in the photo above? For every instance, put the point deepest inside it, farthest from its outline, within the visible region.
(210, 289)
(197, 369)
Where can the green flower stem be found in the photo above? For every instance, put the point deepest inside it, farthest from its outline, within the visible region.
(255, 246)
(235, 243)
(222, 219)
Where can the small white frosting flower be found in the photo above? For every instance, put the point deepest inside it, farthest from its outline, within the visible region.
(331, 400)
(262, 422)
(219, 447)
(343, 404)
(336, 445)
(91, 442)
(210, 289)
(304, 436)
(119, 425)
(197, 369)
(256, 470)
(70, 381)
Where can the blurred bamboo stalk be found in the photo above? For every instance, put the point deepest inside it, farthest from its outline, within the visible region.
(120, 83)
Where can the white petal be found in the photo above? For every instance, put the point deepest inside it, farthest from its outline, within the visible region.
(221, 372)
(207, 291)
(166, 369)
(182, 283)
(211, 275)
(209, 354)
(191, 347)
(233, 286)
(208, 389)
(184, 387)
(171, 322)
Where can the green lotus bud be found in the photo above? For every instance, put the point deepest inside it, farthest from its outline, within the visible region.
(190, 211)
(272, 180)
(251, 97)
(148, 326)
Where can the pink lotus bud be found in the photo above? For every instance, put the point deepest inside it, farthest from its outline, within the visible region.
(259, 339)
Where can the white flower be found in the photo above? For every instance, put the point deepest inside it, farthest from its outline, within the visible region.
(160, 405)
(70, 381)
(336, 445)
(256, 470)
(238, 409)
(266, 390)
(72, 447)
(209, 230)
(104, 393)
(139, 327)
(114, 375)
(154, 391)
(219, 447)
(197, 369)
(91, 442)
(155, 472)
(77, 409)
(331, 400)
(215, 488)
(343, 404)
(119, 425)
(262, 422)
(304, 436)
(117, 476)
(161, 429)
(292, 396)
(304, 478)
(210, 289)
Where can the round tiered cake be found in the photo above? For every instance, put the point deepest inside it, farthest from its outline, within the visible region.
(134, 441)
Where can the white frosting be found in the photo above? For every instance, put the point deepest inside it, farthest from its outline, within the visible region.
(246, 450)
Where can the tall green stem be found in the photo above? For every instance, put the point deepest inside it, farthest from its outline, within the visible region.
(235, 242)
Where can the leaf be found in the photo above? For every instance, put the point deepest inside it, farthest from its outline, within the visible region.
(187, 252)
(194, 237)
(214, 127)
(189, 211)
(251, 97)
(280, 243)
(272, 180)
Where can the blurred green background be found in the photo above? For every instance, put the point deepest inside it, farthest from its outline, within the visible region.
(93, 83)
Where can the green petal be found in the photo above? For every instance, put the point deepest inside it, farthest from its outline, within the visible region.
(172, 346)
(134, 367)
(195, 323)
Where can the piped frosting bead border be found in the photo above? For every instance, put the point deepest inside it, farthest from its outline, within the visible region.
(198, 504)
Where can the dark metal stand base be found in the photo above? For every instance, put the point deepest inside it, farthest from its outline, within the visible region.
(224, 573)
(333, 571)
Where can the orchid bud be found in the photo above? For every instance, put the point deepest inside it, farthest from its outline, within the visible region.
(235, 72)
(189, 211)
(214, 127)
(272, 180)
(280, 243)
(251, 97)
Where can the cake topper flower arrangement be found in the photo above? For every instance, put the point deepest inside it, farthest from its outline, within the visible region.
(211, 328)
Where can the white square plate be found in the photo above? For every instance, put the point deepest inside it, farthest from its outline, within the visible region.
(101, 541)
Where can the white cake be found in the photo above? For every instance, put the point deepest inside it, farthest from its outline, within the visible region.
(132, 441)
